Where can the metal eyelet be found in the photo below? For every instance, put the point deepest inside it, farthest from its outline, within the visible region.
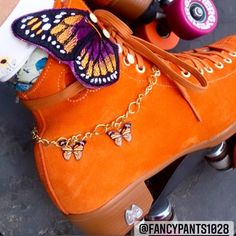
(186, 74)
(140, 70)
(219, 65)
(130, 58)
(126, 61)
(228, 60)
(201, 71)
(208, 70)
(232, 54)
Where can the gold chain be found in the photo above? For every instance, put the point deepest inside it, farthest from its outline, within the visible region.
(101, 129)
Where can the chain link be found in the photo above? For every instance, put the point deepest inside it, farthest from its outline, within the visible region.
(101, 129)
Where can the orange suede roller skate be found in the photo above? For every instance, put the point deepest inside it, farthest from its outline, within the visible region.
(113, 110)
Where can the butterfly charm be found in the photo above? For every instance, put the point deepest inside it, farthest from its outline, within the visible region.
(69, 150)
(118, 137)
(73, 37)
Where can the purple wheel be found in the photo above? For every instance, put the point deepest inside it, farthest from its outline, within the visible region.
(191, 19)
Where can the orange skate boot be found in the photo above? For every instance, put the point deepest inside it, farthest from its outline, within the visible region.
(96, 144)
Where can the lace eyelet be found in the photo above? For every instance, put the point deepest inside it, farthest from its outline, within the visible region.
(228, 60)
(208, 70)
(232, 54)
(130, 58)
(186, 74)
(219, 65)
(201, 71)
(126, 61)
(140, 70)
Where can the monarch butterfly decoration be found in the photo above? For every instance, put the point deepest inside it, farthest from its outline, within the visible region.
(73, 37)
(125, 134)
(69, 150)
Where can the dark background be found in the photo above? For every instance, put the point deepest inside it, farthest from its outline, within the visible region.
(25, 208)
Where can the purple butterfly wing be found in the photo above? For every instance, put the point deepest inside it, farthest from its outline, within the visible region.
(97, 63)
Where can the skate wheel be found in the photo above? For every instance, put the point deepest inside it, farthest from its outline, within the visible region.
(219, 158)
(190, 19)
(158, 33)
(163, 212)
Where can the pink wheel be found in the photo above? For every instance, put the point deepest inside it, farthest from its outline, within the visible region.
(190, 19)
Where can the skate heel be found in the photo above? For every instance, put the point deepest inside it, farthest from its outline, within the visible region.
(118, 216)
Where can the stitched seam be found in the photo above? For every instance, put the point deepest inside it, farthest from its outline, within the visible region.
(60, 79)
(84, 96)
(79, 99)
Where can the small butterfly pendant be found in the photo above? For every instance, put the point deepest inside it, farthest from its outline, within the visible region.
(76, 150)
(118, 137)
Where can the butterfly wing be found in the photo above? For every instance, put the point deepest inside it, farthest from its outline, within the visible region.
(71, 36)
(97, 63)
(116, 137)
(126, 132)
(78, 150)
(67, 152)
(58, 31)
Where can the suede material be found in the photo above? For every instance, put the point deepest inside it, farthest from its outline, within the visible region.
(164, 127)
